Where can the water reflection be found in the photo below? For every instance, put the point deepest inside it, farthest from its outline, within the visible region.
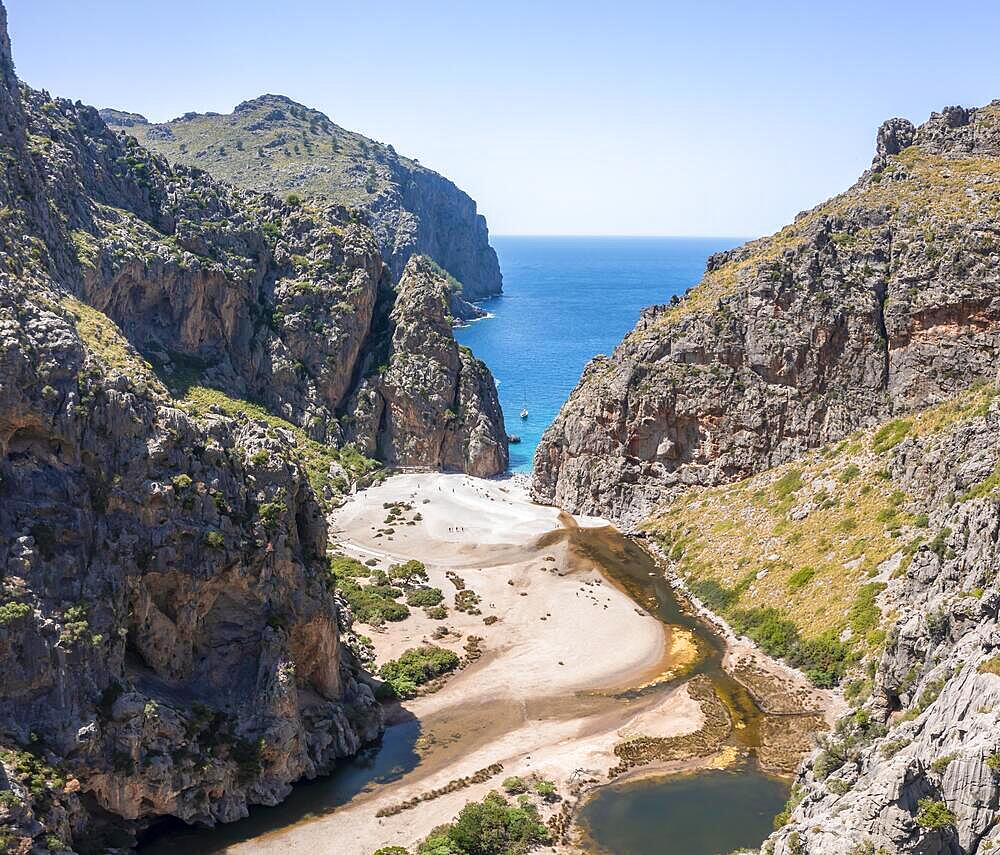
(708, 813)
(375, 767)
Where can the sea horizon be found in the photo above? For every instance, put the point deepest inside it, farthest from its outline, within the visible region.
(567, 299)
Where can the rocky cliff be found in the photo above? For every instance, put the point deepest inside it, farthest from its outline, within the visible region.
(179, 366)
(879, 301)
(915, 767)
(273, 143)
(270, 301)
(422, 396)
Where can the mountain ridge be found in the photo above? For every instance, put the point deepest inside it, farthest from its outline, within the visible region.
(793, 340)
(273, 142)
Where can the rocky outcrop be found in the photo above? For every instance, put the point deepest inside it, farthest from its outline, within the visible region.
(273, 143)
(176, 361)
(166, 616)
(916, 767)
(424, 398)
(884, 299)
(219, 287)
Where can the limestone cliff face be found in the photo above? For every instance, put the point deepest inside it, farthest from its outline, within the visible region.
(170, 639)
(914, 769)
(273, 143)
(427, 399)
(176, 361)
(883, 299)
(219, 287)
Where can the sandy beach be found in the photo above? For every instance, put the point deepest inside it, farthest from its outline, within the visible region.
(540, 699)
(570, 668)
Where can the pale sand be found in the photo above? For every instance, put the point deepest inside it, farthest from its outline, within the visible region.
(539, 700)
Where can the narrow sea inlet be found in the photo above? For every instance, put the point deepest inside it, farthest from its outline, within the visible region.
(684, 733)
(565, 300)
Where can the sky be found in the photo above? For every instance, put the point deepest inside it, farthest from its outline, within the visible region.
(619, 118)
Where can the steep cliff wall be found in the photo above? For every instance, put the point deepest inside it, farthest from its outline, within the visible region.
(177, 359)
(167, 623)
(915, 767)
(220, 287)
(884, 299)
(421, 399)
(273, 143)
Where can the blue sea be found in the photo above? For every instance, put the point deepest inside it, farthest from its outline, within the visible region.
(565, 300)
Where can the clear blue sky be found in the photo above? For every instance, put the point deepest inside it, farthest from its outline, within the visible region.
(710, 118)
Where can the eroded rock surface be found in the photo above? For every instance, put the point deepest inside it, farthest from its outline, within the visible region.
(273, 143)
(176, 362)
(916, 767)
(884, 299)
(428, 399)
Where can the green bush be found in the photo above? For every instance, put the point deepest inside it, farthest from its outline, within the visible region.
(10, 612)
(941, 764)
(342, 567)
(789, 483)
(712, 594)
(373, 604)
(767, 628)
(436, 612)
(546, 789)
(214, 539)
(890, 435)
(849, 474)
(491, 827)
(795, 798)
(379, 577)
(515, 786)
(412, 572)
(837, 786)
(822, 659)
(825, 764)
(800, 578)
(864, 614)
(424, 597)
(934, 814)
(417, 666)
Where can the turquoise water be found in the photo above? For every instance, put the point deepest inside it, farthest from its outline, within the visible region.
(565, 300)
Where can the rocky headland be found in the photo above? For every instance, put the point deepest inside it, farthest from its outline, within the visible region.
(273, 143)
(191, 376)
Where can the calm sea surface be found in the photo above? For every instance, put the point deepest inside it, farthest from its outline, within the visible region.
(565, 300)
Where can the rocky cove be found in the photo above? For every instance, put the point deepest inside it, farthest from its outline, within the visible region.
(260, 559)
(644, 694)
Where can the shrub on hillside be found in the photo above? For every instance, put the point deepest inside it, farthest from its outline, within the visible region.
(424, 596)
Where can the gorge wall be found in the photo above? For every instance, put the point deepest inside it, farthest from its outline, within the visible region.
(189, 375)
(812, 436)
(883, 299)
